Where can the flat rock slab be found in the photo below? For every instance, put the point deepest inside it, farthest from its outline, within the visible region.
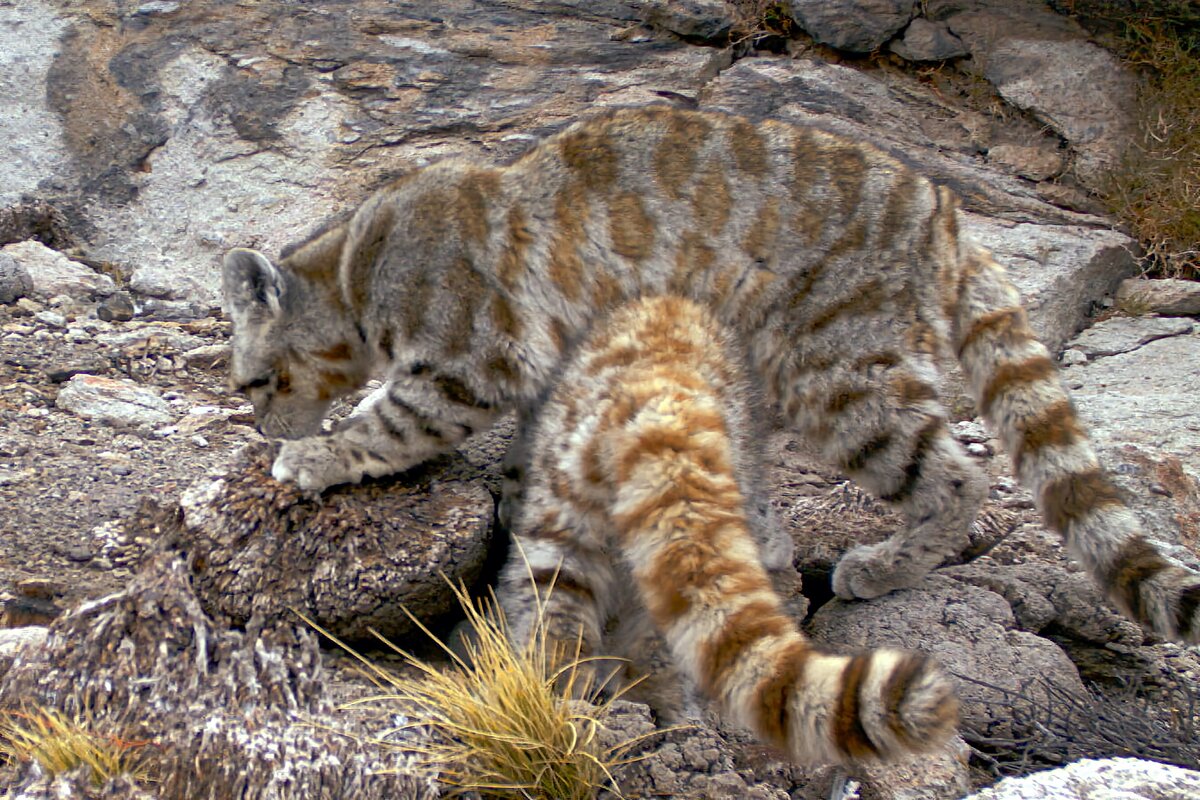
(1168, 296)
(1126, 334)
(351, 560)
(113, 401)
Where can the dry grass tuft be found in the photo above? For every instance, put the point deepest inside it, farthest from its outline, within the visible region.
(62, 744)
(501, 721)
(1156, 190)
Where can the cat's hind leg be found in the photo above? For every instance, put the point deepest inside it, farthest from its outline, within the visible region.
(877, 417)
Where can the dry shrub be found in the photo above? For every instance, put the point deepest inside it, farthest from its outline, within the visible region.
(502, 721)
(61, 744)
(1156, 190)
(1058, 726)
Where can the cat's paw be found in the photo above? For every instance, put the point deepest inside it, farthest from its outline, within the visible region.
(871, 571)
(314, 463)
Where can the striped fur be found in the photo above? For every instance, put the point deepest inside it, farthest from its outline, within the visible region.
(633, 481)
(839, 269)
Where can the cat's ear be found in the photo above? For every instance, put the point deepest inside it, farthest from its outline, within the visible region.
(252, 284)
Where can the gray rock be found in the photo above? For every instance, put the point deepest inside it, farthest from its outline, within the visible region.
(1034, 163)
(1126, 334)
(14, 641)
(351, 560)
(1100, 779)
(1145, 398)
(232, 713)
(155, 282)
(928, 41)
(113, 401)
(54, 274)
(1062, 271)
(1167, 297)
(704, 20)
(15, 281)
(858, 26)
(1079, 89)
(970, 631)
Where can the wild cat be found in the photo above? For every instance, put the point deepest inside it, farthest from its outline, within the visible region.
(635, 510)
(838, 269)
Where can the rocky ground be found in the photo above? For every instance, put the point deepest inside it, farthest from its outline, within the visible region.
(143, 139)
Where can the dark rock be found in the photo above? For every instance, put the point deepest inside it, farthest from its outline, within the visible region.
(20, 612)
(701, 20)
(928, 41)
(116, 308)
(858, 26)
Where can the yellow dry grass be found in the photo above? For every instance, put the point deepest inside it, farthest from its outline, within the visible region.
(503, 721)
(62, 744)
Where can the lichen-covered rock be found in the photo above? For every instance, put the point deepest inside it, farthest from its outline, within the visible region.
(1106, 779)
(351, 560)
(222, 713)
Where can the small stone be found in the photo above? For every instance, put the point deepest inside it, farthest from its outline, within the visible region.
(42, 588)
(115, 402)
(101, 563)
(928, 41)
(51, 318)
(22, 611)
(1034, 163)
(29, 306)
(981, 450)
(118, 307)
(1073, 357)
(60, 372)
(199, 441)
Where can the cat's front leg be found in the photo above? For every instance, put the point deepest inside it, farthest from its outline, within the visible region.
(403, 423)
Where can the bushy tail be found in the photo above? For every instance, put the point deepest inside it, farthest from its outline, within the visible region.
(680, 522)
(1017, 388)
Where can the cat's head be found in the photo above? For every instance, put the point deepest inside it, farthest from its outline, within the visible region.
(295, 348)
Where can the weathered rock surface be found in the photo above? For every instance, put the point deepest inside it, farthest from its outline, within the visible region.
(1167, 297)
(230, 714)
(1062, 271)
(113, 401)
(350, 560)
(1108, 779)
(53, 273)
